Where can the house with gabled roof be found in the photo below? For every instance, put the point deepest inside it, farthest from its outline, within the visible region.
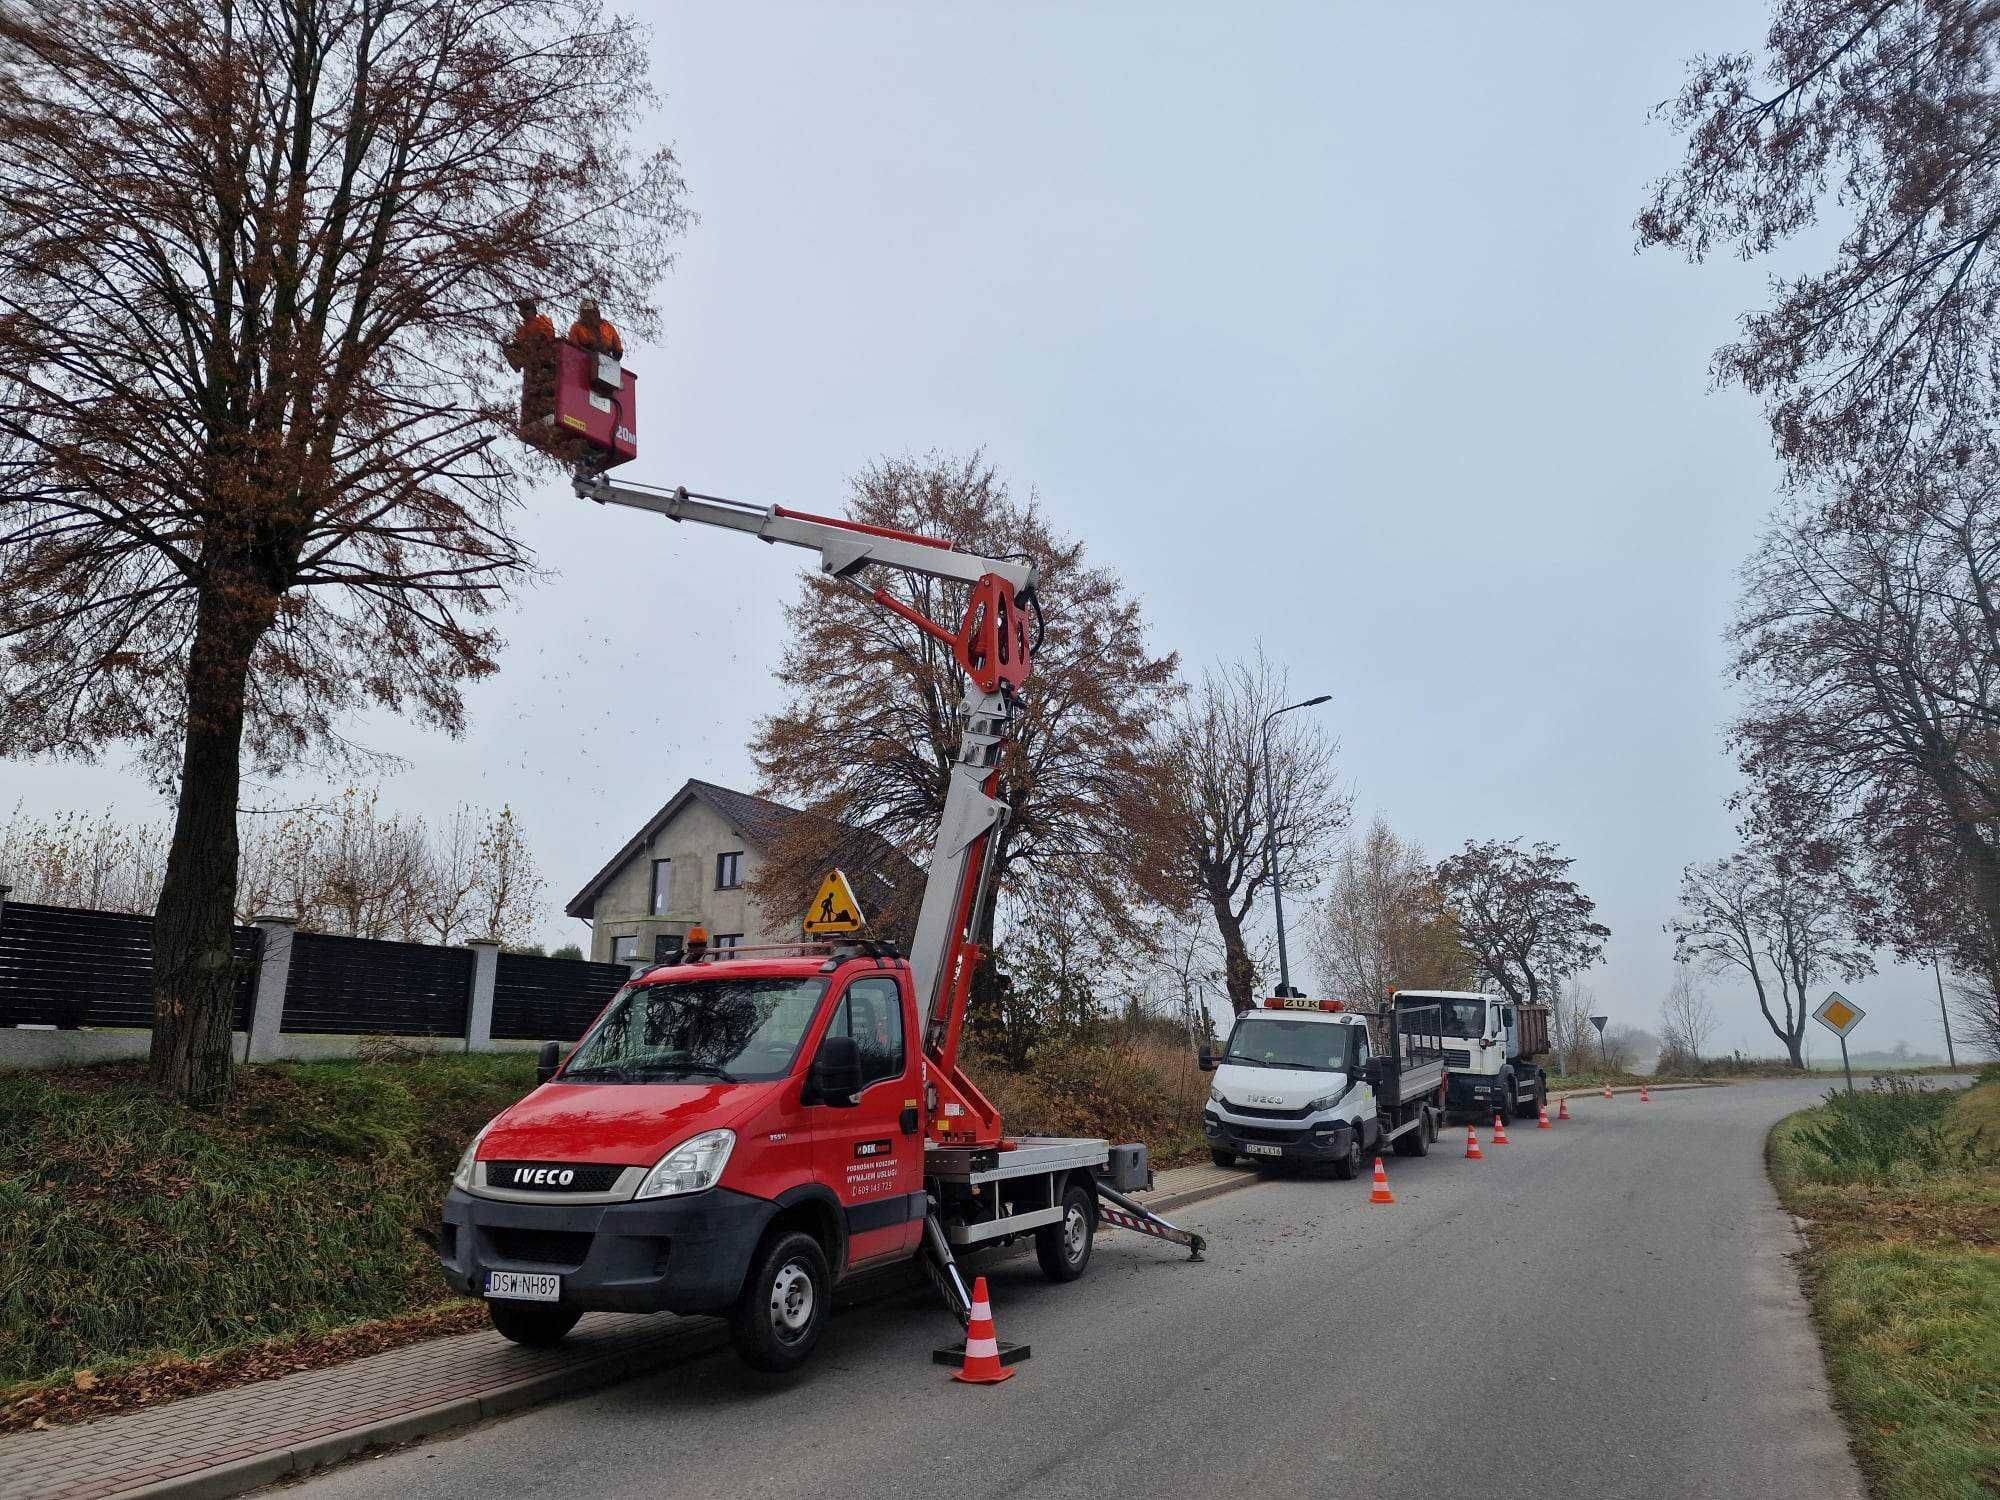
(691, 865)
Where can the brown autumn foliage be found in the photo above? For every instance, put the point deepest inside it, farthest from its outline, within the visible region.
(255, 263)
(871, 730)
(1523, 921)
(1875, 115)
(1384, 925)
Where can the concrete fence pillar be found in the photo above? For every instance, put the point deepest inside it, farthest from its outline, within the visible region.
(479, 1014)
(274, 971)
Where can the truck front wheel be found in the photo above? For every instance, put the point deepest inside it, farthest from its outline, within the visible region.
(535, 1327)
(1347, 1165)
(1530, 1105)
(1063, 1247)
(783, 1307)
(1220, 1157)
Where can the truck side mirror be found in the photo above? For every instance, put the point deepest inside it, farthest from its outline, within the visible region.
(546, 1061)
(1205, 1059)
(836, 1072)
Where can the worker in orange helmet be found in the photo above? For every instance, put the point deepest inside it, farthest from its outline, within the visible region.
(532, 350)
(696, 947)
(593, 331)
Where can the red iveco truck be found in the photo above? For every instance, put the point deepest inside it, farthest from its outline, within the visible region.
(736, 1135)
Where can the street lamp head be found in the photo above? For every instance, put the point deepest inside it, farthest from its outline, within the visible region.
(1322, 698)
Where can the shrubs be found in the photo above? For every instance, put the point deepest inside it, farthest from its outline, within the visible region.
(1135, 1090)
(1895, 1128)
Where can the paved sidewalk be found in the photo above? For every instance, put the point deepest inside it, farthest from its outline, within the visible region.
(234, 1440)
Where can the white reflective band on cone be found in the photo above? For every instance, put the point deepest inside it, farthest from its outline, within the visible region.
(982, 1349)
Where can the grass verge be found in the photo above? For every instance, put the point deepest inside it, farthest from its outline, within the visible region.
(135, 1231)
(1899, 1191)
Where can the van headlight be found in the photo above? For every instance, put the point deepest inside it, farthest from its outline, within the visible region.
(691, 1167)
(1326, 1103)
(1215, 1096)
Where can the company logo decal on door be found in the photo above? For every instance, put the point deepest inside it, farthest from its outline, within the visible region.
(865, 1149)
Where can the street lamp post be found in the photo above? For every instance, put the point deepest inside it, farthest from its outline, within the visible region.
(1271, 840)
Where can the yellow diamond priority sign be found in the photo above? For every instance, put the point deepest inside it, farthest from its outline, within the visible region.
(1838, 1014)
(834, 909)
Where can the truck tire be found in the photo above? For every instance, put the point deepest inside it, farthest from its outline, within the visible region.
(1510, 1099)
(532, 1325)
(783, 1306)
(1063, 1248)
(1220, 1157)
(1416, 1142)
(1347, 1167)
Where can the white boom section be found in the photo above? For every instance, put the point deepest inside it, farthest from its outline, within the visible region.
(968, 811)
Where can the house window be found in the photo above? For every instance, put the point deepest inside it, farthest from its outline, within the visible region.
(872, 1013)
(726, 940)
(624, 949)
(729, 870)
(663, 886)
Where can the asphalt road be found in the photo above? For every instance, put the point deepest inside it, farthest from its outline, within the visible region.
(1601, 1310)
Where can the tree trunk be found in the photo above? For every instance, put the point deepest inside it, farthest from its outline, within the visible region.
(194, 976)
(1239, 974)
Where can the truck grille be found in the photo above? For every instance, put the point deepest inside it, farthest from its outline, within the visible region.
(1458, 1057)
(585, 1177)
(541, 1247)
(1258, 1133)
(1258, 1113)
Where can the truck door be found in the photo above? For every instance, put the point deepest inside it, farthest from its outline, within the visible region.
(872, 1154)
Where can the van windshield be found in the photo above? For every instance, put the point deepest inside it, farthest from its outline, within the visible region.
(1274, 1042)
(734, 1030)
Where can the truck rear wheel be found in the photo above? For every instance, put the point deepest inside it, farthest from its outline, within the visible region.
(783, 1306)
(1220, 1157)
(1529, 1106)
(1063, 1248)
(535, 1326)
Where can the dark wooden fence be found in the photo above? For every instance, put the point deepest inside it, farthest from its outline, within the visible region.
(358, 986)
(550, 999)
(64, 966)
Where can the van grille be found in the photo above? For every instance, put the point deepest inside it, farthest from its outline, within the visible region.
(586, 1177)
(540, 1247)
(1259, 1113)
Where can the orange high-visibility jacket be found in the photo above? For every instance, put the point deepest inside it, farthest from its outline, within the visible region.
(599, 337)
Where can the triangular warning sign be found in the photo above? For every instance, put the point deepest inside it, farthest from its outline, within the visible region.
(834, 909)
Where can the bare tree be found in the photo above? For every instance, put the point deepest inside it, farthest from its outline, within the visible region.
(1784, 924)
(508, 889)
(1384, 924)
(1522, 919)
(71, 859)
(448, 881)
(254, 262)
(867, 749)
(1217, 823)
(1687, 1021)
(1879, 115)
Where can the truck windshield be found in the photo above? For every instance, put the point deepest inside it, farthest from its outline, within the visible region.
(1460, 1018)
(1273, 1042)
(733, 1030)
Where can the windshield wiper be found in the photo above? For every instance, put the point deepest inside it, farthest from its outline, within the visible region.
(688, 1068)
(617, 1071)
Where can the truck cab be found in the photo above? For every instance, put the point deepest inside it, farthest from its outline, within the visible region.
(1291, 1085)
(1490, 1047)
(728, 1137)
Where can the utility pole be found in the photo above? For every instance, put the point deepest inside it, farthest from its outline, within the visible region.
(1271, 840)
(1943, 1014)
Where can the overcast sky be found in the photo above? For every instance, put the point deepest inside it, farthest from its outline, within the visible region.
(1321, 324)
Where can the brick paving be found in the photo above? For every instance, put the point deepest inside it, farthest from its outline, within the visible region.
(229, 1441)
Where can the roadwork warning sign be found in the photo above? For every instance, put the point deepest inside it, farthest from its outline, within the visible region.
(834, 909)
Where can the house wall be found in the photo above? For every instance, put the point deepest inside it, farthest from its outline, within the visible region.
(692, 839)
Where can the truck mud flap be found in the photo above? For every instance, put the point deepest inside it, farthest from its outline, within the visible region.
(1115, 1208)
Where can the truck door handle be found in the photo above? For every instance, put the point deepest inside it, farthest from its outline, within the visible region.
(908, 1120)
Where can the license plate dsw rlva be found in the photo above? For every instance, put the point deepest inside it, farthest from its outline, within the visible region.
(523, 1286)
(1254, 1149)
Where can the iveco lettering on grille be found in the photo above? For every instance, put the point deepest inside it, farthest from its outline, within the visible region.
(544, 1176)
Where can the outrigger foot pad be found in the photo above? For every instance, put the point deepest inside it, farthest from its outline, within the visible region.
(954, 1354)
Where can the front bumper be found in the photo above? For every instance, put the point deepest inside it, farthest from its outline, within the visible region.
(1328, 1142)
(683, 1255)
(1476, 1094)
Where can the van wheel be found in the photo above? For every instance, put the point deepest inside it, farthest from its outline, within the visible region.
(1063, 1248)
(530, 1325)
(783, 1306)
(1220, 1157)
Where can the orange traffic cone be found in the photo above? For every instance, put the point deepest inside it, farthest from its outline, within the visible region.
(982, 1349)
(1543, 1122)
(1381, 1193)
(1562, 1108)
(1500, 1132)
(1472, 1151)
(1607, 1091)
(1644, 1097)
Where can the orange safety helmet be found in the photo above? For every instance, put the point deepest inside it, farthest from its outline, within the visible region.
(697, 935)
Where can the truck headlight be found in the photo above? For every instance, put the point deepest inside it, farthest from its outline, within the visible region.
(468, 1163)
(1215, 1096)
(691, 1167)
(1327, 1103)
